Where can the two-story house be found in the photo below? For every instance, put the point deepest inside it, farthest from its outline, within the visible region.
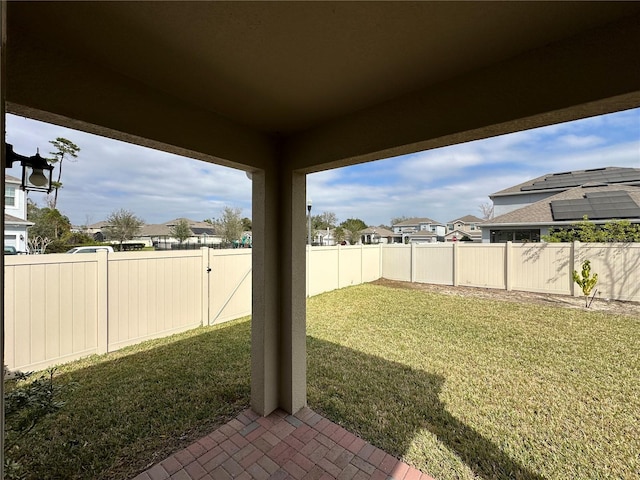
(15, 215)
(418, 230)
(467, 226)
(526, 212)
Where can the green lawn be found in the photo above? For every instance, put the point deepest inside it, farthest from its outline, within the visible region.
(459, 387)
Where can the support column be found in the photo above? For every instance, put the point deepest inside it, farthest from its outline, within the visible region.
(3, 83)
(278, 327)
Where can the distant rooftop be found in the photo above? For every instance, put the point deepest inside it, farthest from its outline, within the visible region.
(598, 202)
(565, 180)
(416, 221)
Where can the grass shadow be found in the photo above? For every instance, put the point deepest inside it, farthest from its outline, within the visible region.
(352, 388)
(132, 409)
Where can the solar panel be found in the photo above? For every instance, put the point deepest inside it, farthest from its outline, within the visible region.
(596, 206)
(574, 179)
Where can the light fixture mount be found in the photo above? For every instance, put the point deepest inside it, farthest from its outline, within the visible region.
(33, 170)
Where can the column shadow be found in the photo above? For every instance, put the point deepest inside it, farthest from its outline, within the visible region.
(340, 376)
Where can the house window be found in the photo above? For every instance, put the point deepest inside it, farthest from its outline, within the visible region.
(473, 226)
(450, 227)
(10, 196)
(503, 236)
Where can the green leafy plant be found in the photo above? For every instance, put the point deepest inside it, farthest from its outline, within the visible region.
(26, 402)
(586, 281)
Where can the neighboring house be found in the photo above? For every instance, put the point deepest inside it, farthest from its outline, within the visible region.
(530, 192)
(15, 215)
(95, 230)
(418, 230)
(601, 203)
(374, 235)
(324, 237)
(469, 226)
(159, 235)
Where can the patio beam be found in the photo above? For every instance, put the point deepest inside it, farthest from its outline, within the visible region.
(593, 73)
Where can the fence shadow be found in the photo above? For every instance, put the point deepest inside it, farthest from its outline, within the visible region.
(391, 419)
(164, 397)
(620, 265)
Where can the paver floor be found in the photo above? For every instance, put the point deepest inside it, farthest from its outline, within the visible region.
(281, 446)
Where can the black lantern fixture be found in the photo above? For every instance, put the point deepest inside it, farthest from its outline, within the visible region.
(309, 210)
(33, 170)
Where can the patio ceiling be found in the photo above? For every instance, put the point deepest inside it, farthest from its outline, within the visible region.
(318, 84)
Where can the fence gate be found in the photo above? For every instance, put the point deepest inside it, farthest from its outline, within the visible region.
(229, 284)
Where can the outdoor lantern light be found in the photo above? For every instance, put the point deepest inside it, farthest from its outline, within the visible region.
(37, 180)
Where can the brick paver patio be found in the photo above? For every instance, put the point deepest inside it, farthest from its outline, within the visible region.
(280, 446)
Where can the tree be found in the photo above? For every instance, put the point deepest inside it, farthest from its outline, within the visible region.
(586, 281)
(181, 230)
(230, 225)
(48, 222)
(353, 227)
(65, 149)
(487, 210)
(246, 224)
(323, 221)
(396, 220)
(586, 231)
(38, 244)
(123, 225)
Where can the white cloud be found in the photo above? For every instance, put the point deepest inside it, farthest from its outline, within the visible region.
(109, 174)
(443, 184)
(577, 141)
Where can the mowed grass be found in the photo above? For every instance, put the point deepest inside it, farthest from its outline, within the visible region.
(459, 387)
(132, 408)
(469, 388)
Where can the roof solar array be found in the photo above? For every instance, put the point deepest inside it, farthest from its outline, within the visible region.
(574, 179)
(596, 206)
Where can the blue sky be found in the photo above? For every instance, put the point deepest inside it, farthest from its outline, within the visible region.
(441, 184)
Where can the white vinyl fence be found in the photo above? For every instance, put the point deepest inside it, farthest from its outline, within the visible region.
(530, 267)
(62, 307)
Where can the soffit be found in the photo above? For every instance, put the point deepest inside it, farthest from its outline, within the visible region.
(281, 67)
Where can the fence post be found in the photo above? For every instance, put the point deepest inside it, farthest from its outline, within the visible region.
(308, 273)
(413, 263)
(456, 276)
(361, 263)
(380, 253)
(508, 259)
(338, 265)
(206, 268)
(102, 271)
